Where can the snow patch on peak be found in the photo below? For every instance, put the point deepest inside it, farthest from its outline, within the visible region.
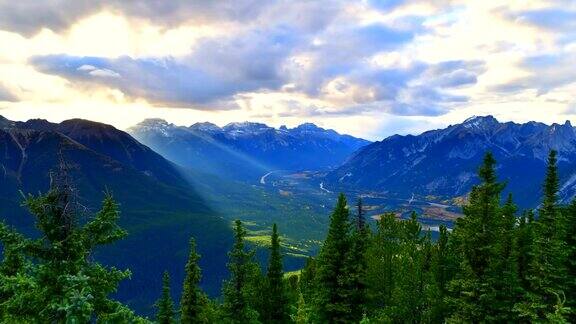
(153, 122)
(206, 127)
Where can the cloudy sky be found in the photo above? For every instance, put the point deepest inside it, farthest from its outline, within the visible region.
(369, 68)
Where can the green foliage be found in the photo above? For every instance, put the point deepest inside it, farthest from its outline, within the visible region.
(356, 265)
(570, 282)
(308, 279)
(239, 290)
(276, 302)
(478, 237)
(547, 269)
(333, 290)
(52, 276)
(302, 314)
(494, 267)
(401, 285)
(165, 304)
(382, 256)
(193, 304)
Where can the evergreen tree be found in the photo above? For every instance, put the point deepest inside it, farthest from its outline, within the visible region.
(477, 234)
(52, 276)
(442, 274)
(276, 310)
(165, 304)
(357, 264)
(308, 279)
(382, 265)
(570, 284)
(238, 291)
(193, 301)
(524, 248)
(302, 315)
(411, 279)
(504, 286)
(548, 267)
(332, 299)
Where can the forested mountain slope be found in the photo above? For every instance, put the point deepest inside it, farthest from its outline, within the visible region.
(160, 210)
(443, 162)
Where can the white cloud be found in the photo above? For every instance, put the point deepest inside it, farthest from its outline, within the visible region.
(412, 62)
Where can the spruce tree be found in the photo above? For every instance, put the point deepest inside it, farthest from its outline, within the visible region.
(477, 234)
(51, 276)
(441, 271)
(332, 298)
(237, 290)
(548, 266)
(357, 263)
(301, 315)
(308, 279)
(382, 266)
(193, 301)
(276, 309)
(165, 304)
(411, 279)
(524, 246)
(570, 242)
(504, 286)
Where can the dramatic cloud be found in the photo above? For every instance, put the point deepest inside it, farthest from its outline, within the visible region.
(334, 62)
(219, 68)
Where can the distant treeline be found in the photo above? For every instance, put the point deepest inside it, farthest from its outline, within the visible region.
(495, 266)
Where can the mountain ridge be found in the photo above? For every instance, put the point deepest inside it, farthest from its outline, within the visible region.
(159, 208)
(246, 150)
(407, 164)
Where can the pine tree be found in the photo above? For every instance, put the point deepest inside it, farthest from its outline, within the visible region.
(570, 284)
(504, 286)
(308, 279)
(193, 301)
(165, 304)
(332, 299)
(412, 280)
(276, 309)
(524, 248)
(237, 290)
(302, 315)
(51, 275)
(382, 266)
(442, 274)
(548, 266)
(477, 234)
(357, 264)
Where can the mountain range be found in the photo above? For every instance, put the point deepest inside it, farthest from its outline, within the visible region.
(246, 151)
(159, 208)
(443, 162)
(176, 182)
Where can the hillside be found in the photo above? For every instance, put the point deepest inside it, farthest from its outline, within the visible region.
(160, 209)
(442, 163)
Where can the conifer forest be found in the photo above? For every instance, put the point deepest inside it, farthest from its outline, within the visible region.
(499, 264)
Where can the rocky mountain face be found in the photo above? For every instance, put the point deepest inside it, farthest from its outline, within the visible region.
(160, 210)
(444, 162)
(246, 150)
